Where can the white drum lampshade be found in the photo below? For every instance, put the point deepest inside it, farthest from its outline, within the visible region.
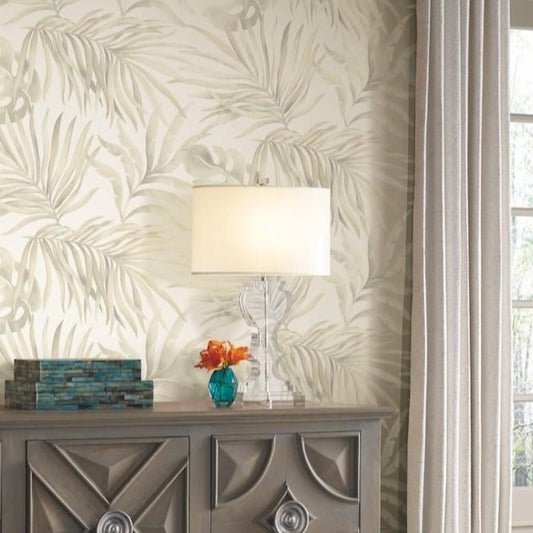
(261, 230)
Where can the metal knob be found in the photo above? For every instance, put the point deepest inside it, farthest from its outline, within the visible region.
(115, 522)
(291, 517)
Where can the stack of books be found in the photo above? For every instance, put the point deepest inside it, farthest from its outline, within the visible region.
(48, 384)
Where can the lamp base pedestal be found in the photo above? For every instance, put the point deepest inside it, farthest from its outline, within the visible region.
(264, 304)
(270, 399)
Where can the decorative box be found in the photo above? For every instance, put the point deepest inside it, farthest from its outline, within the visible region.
(77, 370)
(47, 384)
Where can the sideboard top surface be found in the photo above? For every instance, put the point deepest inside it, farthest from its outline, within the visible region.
(191, 413)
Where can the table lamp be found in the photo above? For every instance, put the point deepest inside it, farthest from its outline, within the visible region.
(262, 231)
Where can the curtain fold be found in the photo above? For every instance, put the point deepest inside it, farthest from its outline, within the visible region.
(459, 447)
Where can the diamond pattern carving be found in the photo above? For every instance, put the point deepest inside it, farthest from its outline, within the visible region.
(108, 467)
(285, 515)
(239, 466)
(334, 462)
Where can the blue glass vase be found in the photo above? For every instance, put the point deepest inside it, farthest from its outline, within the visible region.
(222, 387)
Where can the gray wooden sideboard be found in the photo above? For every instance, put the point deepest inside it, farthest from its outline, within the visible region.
(192, 468)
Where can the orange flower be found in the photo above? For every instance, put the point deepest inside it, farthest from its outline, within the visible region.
(221, 354)
(236, 355)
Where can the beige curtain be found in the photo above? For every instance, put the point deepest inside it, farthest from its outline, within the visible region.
(460, 423)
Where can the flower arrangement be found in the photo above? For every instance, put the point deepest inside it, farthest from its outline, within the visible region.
(221, 354)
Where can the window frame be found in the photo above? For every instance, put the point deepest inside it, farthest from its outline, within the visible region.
(521, 18)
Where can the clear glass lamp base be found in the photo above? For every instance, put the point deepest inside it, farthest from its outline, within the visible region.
(264, 304)
(270, 399)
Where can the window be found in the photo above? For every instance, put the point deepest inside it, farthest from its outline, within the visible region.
(521, 166)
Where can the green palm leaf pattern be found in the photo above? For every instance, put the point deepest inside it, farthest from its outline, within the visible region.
(43, 170)
(250, 76)
(99, 268)
(102, 60)
(342, 365)
(50, 6)
(150, 184)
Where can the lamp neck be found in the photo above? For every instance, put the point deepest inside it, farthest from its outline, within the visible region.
(266, 340)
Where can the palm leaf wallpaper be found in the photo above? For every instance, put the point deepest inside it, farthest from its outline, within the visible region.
(111, 110)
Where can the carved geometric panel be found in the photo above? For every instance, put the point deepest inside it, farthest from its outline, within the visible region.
(334, 462)
(239, 465)
(49, 513)
(110, 466)
(73, 484)
(165, 514)
(266, 484)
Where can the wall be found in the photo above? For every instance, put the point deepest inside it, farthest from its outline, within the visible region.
(111, 110)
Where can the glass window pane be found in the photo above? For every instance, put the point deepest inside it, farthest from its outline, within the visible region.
(521, 73)
(523, 445)
(522, 339)
(522, 258)
(521, 165)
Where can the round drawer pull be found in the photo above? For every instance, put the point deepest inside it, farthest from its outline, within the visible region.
(291, 517)
(114, 522)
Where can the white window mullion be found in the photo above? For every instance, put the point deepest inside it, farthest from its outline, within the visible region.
(522, 211)
(523, 398)
(522, 118)
(522, 304)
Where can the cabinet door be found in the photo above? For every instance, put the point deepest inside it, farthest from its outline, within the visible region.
(123, 484)
(286, 483)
